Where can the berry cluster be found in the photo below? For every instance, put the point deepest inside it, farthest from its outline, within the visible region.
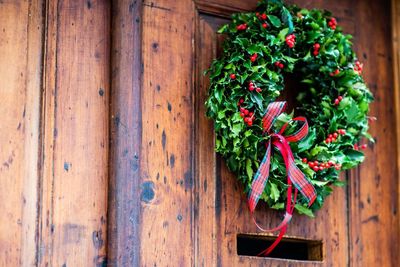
(333, 136)
(290, 40)
(241, 27)
(357, 147)
(262, 17)
(358, 67)
(332, 23)
(279, 64)
(320, 166)
(334, 73)
(253, 87)
(337, 100)
(253, 57)
(248, 116)
(316, 47)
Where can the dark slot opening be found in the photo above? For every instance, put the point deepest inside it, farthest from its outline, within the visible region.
(288, 248)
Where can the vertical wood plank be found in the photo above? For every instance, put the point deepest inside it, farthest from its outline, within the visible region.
(124, 186)
(396, 70)
(21, 25)
(166, 159)
(374, 207)
(75, 157)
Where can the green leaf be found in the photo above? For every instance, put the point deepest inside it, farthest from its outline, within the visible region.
(249, 169)
(275, 20)
(287, 18)
(274, 192)
(282, 34)
(304, 210)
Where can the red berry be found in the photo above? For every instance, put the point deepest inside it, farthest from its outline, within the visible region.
(250, 123)
(233, 76)
(242, 114)
(247, 119)
(330, 136)
(331, 163)
(311, 164)
(264, 16)
(277, 63)
(340, 98)
(337, 102)
(246, 112)
(315, 53)
(258, 90)
(265, 25)
(316, 163)
(364, 146)
(316, 46)
(337, 167)
(241, 100)
(252, 59)
(242, 110)
(241, 27)
(251, 88)
(281, 66)
(316, 168)
(304, 160)
(328, 140)
(335, 135)
(333, 139)
(321, 168)
(355, 147)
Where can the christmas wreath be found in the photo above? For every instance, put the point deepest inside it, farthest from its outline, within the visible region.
(270, 149)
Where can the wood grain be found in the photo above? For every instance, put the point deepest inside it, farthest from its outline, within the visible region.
(75, 138)
(395, 5)
(20, 75)
(125, 147)
(374, 219)
(167, 134)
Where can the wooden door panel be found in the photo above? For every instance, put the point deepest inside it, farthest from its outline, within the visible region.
(167, 135)
(73, 215)
(20, 75)
(153, 192)
(220, 196)
(335, 222)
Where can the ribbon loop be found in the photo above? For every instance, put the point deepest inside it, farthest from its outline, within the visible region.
(294, 174)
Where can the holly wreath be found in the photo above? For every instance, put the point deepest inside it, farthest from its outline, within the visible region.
(275, 153)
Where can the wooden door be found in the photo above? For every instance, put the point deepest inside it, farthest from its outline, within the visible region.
(106, 156)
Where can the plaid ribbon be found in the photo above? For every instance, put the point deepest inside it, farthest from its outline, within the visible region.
(294, 175)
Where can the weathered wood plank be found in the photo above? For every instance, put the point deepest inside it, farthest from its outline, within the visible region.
(21, 24)
(374, 223)
(124, 186)
(167, 134)
(75, 158)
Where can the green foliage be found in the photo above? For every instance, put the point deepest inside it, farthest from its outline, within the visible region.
(242, 146)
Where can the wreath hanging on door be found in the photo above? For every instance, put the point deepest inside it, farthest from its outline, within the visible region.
(274, 153)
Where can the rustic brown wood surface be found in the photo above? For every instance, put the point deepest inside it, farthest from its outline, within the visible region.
(125, 140)
(106, 156)
(73, 214)
(20, 74)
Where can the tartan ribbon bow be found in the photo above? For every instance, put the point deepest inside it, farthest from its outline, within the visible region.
(294, 174)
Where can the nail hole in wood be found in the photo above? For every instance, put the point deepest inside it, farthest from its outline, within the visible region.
(288, 248)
